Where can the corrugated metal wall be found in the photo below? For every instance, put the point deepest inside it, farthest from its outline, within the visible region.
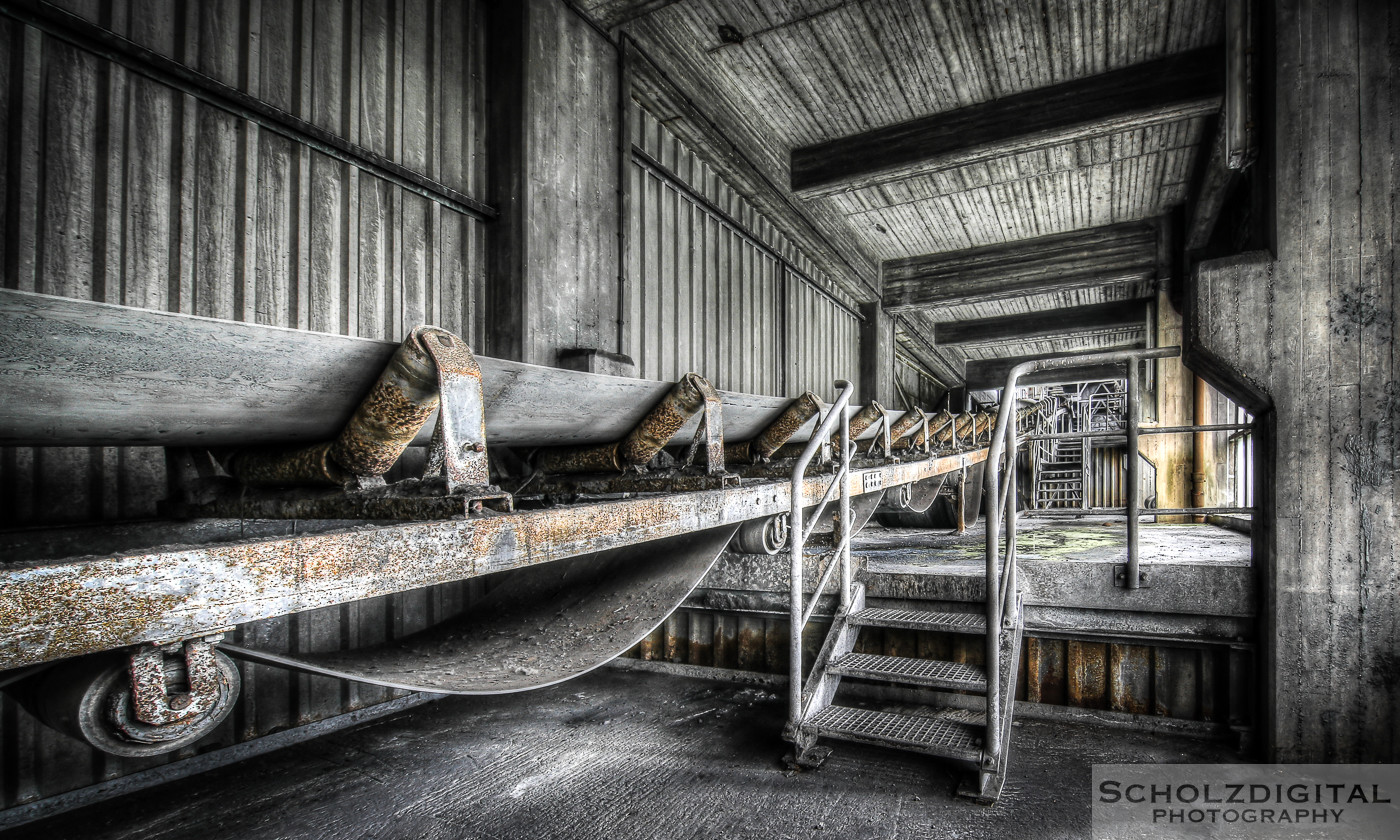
(711, 286)
(1108, 476)
(121, 189)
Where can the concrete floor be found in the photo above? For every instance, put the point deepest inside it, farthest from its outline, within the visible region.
(616, 755)
(1091, 538)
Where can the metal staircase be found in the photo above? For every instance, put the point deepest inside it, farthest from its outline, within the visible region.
(1060, 477)
(978, 739)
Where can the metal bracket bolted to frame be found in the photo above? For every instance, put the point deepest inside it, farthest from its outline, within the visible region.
(458, 448)
(711, 427)
(1120, 576)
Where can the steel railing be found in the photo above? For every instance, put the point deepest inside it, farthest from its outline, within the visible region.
(840, 556)
(1001, 510)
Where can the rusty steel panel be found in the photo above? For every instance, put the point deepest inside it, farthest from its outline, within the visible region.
(1175, 682)
(1130, 678)
(1086, 679)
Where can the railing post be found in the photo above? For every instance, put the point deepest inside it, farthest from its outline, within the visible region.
(1134, 481)
(1009, 584)
(798, 538)
(844, 537)
(797, 529)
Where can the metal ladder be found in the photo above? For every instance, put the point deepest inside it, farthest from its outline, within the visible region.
(980, 741)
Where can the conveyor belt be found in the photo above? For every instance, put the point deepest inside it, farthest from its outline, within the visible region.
(544, 625)
(79, 373)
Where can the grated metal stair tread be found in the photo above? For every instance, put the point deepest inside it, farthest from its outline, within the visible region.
(922, 620)
(932, 673)
(937, 735)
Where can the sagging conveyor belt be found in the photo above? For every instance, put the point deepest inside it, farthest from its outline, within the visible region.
(279, 443)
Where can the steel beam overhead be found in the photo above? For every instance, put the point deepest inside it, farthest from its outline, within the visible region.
(1102, 256)
(1050, 323)
(1178, 87)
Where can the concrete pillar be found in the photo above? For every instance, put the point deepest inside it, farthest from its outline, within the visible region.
(876, 357)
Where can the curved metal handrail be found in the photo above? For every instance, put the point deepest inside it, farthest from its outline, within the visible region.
(800, 613)
(1001, 569)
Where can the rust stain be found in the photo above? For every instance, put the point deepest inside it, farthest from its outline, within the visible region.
(1130, 678)
(780, 431)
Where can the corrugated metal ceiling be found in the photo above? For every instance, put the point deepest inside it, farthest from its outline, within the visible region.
(808, 71)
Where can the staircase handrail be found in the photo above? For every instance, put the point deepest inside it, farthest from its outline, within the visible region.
(1001, 570)
(800, 612)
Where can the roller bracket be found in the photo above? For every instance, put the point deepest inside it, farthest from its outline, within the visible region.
(458, 447)
(711, 428)
(151, 697)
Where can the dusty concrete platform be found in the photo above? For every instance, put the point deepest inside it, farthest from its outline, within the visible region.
(616, 755)
(1091, 538)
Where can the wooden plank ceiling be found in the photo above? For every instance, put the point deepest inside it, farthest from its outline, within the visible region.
(940, 131)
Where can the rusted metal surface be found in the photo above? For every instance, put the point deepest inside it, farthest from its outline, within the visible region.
(386, 421)
(661, 424)
(862, 421)
(56, 609)
(579, 459)
(109, 701)
(154, 703)
(398, 406)
(274, 466)
(779, 432)
(541, 626)
(686, 399)
(794, 417)
(904, 425)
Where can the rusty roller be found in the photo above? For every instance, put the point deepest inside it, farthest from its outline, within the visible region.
(959, 428)
(649, 436)
(779, 432)
(917, 441)
(861, 422)
(904, 425)
(383, 425)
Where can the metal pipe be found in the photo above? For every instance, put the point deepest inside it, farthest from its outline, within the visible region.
(649, 436)
(795, 611)
(841, 474)
(779, 432)
(383, 425)
(1134, 481)
(1147, 430)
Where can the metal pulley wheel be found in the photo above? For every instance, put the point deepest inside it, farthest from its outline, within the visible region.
(91, 699)
(900, 496)
(762, 536)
